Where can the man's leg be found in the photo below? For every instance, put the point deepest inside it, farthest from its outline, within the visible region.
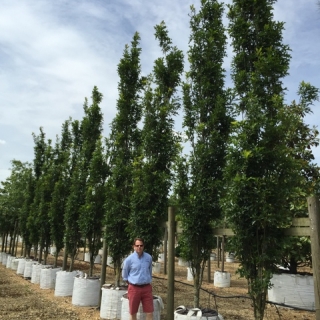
(134, 301)
(134, 316)
(147, 302)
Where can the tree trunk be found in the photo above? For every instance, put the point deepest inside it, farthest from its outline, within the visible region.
(65, 258)
(293, 267)
(91, 264)
(71, 263)
(45, 255)
(2, 246)
(117, 269)
(55, 259)
(259, 303)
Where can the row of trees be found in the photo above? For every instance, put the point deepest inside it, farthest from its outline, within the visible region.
(249, 165)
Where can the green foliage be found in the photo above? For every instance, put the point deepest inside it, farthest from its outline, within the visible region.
(92, 212)
(12, 198)
(85, 136)
(61, 176)
(123, 146)
(207, 122)
(38, 220)
(296, 253)
(153, 166)
(265, 158)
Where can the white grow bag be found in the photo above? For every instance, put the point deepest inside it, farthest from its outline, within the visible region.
(161, 257)
(230, 257)
(222, 279)
(87, 257)
(156, 267)
(110, 261)
(86, 291)
(21, 265)
(110, 307)
(9, 259)
(64, 283)
(28, 268)
(15, 263)
(182, 313)
(36, 270)
(213, 256)
(97, 259)
(189, 275)
(183, 263)
(157, 307)
(293, 289)
(4, 258)
(48, 277)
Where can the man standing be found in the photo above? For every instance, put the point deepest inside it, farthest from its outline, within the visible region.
(137, 272)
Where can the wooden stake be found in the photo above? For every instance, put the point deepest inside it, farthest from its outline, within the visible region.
(314, 215)
(171, 255)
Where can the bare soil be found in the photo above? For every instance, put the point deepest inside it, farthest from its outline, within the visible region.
(21, 299)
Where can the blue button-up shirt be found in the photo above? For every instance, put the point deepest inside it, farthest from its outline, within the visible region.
(137, 270)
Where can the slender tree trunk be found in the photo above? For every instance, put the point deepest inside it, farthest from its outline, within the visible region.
(56, 255)
(6, 242)
(196, 283)
(259, 304)
(16, 248)
(91, 264)
(84, 248)
(117, 269)
(65, 258)
(40, 253)
(293, 267)
(23, 249)
(71, 263)
(45, 255)
(2, 245)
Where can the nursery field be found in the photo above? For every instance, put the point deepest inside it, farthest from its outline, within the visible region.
(21, 299)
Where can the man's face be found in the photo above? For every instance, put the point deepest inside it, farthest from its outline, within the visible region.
(138, 247)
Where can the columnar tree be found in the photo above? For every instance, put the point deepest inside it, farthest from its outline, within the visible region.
(92, 212)
(44, 190)
(301, 139)
(34, 221)
(260, 170)
(153, 169)
(61, 177)
(207, 122)
(123, 146)
(76, 194)
(26, 210)
(85, 137)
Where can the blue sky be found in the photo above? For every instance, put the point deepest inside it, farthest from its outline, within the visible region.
(52, 54)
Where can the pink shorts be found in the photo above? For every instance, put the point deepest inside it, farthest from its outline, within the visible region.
(140, 294)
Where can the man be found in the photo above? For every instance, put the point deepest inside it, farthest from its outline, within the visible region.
(137, 272)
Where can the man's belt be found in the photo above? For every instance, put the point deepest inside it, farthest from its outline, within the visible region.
(139, 285)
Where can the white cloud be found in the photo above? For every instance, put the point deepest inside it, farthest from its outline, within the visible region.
(2, 142)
